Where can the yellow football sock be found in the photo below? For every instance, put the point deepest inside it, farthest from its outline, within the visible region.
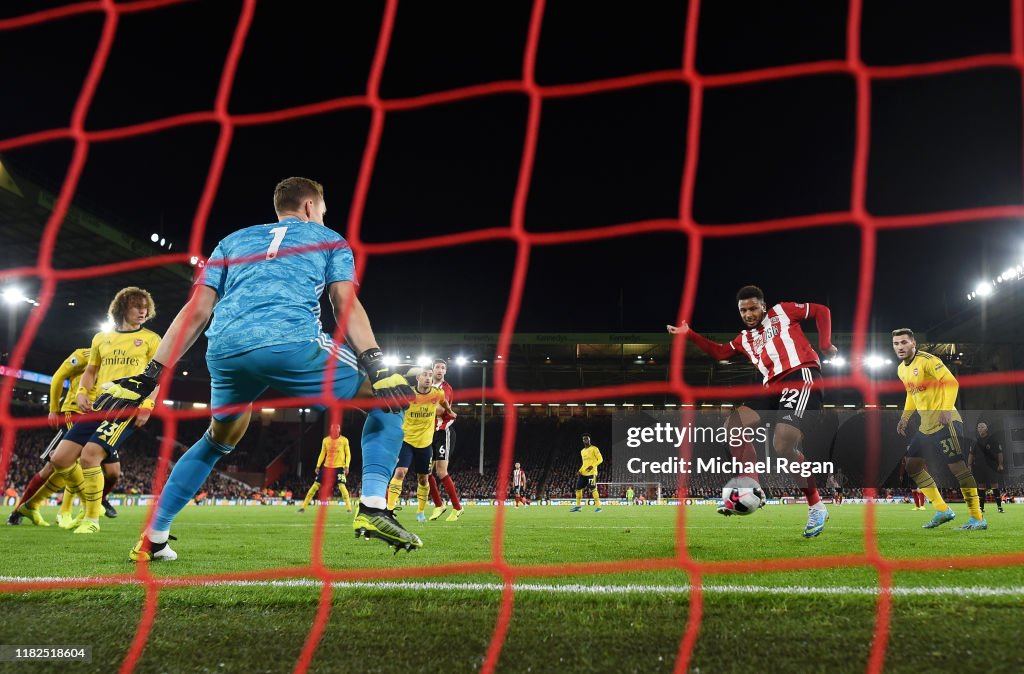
(927, 486)
(394, 491)
(422, 492)
(579, 497)
(309, 494)
(344, 495)
(969, 488)
(597, 498)
(69, 500)
(92, 492)
(53, 484)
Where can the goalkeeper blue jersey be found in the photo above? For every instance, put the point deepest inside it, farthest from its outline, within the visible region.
(269, 279)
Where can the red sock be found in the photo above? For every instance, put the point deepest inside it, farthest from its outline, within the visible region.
(746, 454)
(449, 487)
(435, 495)
(108, 486)
(34, 484)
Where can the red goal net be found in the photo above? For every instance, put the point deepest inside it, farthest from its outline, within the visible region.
(696, 233)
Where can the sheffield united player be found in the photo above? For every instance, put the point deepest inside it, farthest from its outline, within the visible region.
(519, 486)
(775, 343)
(444, 443)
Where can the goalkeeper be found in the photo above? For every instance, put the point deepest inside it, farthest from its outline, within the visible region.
(335, 451)
(265, 282)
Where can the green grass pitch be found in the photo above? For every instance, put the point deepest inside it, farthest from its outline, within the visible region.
(948, 619)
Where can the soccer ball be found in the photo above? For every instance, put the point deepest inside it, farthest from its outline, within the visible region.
(742, 496)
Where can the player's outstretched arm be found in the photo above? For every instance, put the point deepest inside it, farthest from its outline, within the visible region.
(713, 349)
(822, 316)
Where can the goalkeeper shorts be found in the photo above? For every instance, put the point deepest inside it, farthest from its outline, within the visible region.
(294, 370)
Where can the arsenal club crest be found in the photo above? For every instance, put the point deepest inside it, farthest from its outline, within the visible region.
(138, 342)
(916, 372)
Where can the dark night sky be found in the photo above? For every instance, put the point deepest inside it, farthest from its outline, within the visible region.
(768, 150)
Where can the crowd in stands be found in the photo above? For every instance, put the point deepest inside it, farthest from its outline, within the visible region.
(548, 448)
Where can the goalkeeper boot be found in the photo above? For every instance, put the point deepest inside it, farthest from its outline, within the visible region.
(816, 519)
(109, 510)
(147, 551)
(454, 517)
(15, 519)
(34, 515)
(974, 525)
(575, 509)
(381, 524)
(939, 519)
(87, 527)
(438, 511)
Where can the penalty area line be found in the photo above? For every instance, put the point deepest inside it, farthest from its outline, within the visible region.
(574, 588)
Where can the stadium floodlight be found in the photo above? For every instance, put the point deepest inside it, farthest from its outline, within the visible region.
(200, 406)
(461, 360)
(984, 289)
(391, 361)
(970, 296)
(163, 242)
(838, 361)
(13, 295)
(155, 237)
(193, 260)
(874, 361)
(423, 361)
(107, 325)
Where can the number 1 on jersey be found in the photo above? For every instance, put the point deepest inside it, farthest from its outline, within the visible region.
(278, 233)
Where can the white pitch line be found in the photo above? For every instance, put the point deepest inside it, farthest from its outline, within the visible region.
(908, 591)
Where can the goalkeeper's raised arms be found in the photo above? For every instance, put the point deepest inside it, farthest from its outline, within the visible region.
(128, 392)
(391, 387)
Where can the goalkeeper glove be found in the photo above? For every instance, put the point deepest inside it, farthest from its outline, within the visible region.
(128, 392)
(388, 386)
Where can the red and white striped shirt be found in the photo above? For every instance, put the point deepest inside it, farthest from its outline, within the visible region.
(444, 420)
(518, 478)
(778, 345)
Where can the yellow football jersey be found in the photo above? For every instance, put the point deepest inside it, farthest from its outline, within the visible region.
(591, 460)
(120, 354)
(931, 389)
(337, 449)
(418, 427)
(71, 369)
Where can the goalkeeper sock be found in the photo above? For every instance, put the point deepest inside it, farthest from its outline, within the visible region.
(309, 494)
(92, 492)
(453, 493)
(969, 488)
(344, 495)
(579, 497)
(189, 474)
(382, 440)
(422, 491)
(36, 493)
(926, 485)
(435, 494)
(394, 492)
(597, 498)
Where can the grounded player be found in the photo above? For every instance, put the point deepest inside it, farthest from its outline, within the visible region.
(775, 343)
(986, 464)
(61, 418)
(587, 475)
(444, 443)
(931, 392)
(519, 486)
(265, 282)
(78, 457)
(335, 453)
(418, 432)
